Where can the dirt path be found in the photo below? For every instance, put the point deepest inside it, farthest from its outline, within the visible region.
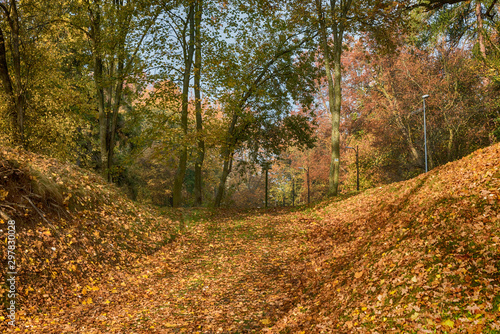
(231, 274)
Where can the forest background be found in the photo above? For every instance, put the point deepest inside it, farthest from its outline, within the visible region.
(187, 103)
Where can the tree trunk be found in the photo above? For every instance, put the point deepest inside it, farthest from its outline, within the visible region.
(7, 86)
(335, 114)
(12, 82)
(116, 107)
(451, 141)
(103, 117)
(414, 152)
(4, 70)
(116, 99)
(188, 62)
(16, 57)
(228, 163)
(96, 42)
(198, 184)
(339, 13)
(480, 32)
(334, 99)
(227, 156)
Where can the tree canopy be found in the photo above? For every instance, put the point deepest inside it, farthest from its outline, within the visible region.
(182, 102)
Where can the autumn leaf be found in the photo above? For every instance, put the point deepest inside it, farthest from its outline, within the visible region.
(87, 301)
(448, 323)
(259, 258)
(265, 321)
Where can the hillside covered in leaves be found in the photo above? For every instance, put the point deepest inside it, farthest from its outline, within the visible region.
(420, 256)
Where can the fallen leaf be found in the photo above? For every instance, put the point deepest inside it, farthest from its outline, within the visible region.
(448, 323)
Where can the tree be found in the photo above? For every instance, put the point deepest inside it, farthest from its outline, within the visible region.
(390, 100)
(468, 22)
(198, 182)
(339, 12)
(225, 75)
(187, 40)
(339, 18)
(256, 106)
(460, 21)
(438, 4)
(44, 100)
(115, 41)
(180, 38)
(12, 81)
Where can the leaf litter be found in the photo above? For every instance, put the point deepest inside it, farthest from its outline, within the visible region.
(420, 256)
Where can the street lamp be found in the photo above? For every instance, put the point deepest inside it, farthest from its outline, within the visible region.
(266, 165)
(425, 133)
(425, 130)
(357, 165)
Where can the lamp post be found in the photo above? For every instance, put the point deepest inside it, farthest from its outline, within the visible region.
(357, 165)
(425, 130)
(266, 166)
(425, 133)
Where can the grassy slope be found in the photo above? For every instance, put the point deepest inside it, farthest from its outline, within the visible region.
(416, 256)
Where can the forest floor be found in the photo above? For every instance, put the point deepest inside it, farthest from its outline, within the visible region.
(420, 256)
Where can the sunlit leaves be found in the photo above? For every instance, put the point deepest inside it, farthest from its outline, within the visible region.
(420, 259)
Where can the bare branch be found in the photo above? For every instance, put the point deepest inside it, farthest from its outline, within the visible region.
(4, 216)
(71, 24)
(488, 14)
(42, 215)
(5, 10)
(434, 4)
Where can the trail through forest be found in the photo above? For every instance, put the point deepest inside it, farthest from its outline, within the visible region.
(234, 273)
(416, 256)
(139, 141)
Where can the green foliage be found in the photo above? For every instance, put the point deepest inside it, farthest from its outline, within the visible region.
(57, 97)
(261, 82)
(496, 132)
